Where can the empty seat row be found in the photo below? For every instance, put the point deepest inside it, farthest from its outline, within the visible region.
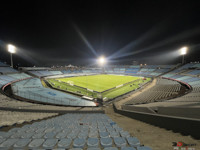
(70, 131)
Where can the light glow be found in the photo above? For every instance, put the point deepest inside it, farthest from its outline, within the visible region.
(11, 48)
(101, 60)
(183, 50)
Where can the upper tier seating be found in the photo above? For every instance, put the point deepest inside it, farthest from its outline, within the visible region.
(5, 70)
(3, 65)
(4, 79)
(132, 70)
(56, 72)
(44, 73)
(119, 70)
(185, 67)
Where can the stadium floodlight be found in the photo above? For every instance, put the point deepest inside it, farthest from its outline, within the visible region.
(11, 50)
(102, 60)
(183, 51)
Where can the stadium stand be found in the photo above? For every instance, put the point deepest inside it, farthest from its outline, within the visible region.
(5, 70)
(3, 64)
(188, 98)
(83, 131)
(162, 90)
(32, 89)
(56, 72)
(4, 79)
(131, 70)
(194, 72)
(9, 118)
(8, 103)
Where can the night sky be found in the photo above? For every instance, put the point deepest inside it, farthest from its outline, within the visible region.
(78, 32)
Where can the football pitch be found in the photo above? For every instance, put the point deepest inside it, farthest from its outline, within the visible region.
(98, 86)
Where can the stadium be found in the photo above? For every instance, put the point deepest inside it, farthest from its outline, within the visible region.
(109, 105)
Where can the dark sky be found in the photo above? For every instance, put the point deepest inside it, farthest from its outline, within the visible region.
(77, 32)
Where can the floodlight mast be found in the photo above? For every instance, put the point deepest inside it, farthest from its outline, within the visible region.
(183, 53)
(11, 50)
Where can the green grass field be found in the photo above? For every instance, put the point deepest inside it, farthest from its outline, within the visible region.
(104, 84)
(99, 83)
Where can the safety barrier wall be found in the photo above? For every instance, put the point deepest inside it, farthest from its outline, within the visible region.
(183, 125)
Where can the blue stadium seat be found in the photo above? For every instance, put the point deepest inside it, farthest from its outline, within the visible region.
(27, 135)
(50, 143)
(17, 135)
(110, 129)
(79, 143)
(38, 135)
(106, 142)
(36, 143)
(72, 135)
(92, 142)
(83, 135)
(102, 129)
(64, 143)
(124, 134)
(118, 129)
(22, 143)
(114, 134)
(133, 141)
(8, 143)
(104, 134)
(120, 141)
(49, 135)
(61, 135)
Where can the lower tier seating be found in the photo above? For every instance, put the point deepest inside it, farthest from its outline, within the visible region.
(71, 131)
(163, 89)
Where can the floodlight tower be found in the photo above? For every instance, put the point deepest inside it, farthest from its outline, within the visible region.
(183, 51)
(102, 61)
(11, 50)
